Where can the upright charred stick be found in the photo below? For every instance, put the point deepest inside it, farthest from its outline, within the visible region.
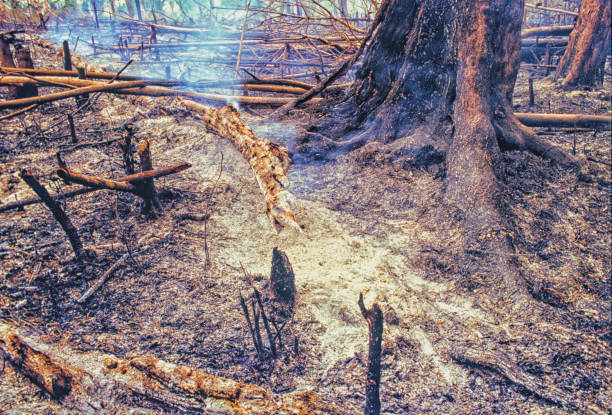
(374, 318)
(147, 188)
(57, 211)
(67, 58)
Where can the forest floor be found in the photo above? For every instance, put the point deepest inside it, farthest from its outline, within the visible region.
(367, 229)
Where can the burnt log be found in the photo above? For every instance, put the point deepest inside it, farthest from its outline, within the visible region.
(88, 381)
(269, 161)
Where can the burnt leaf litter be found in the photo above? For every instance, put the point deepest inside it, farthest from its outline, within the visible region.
(178, 295)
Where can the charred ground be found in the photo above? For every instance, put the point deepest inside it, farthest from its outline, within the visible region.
(376, 219)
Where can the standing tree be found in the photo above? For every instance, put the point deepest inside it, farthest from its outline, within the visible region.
(588, 46)
(435, 86)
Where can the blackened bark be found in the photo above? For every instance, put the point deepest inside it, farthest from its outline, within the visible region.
(57, 211)
(282, 278)
(6, 59)
(588, 46)
(24, 60)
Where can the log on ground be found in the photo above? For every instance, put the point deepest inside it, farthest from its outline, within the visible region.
(89, 381)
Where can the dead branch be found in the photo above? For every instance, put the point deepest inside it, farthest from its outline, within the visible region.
(103, 279)
(162, 92)
(133, 178)
(57, 211)
(83, 380)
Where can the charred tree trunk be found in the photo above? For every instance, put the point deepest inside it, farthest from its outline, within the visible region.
(24, 60)
(436, 86)
(6, 59)
(589, 44)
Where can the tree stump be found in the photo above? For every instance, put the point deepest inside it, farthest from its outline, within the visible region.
(24, 60)
(282, 278)
(6, 59)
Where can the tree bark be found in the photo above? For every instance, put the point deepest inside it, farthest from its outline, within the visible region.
(436, 86)
(588, 46)
(24, 60)
(6, 58)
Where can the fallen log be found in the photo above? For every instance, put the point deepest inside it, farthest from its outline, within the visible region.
(269, 161)
(71, 93)
(602, 122)
(163, 92)
(106, 75)
(87, 382)
(547, 31)
(75, 82)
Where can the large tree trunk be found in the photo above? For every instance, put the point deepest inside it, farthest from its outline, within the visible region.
(589, 44)
(436, 84)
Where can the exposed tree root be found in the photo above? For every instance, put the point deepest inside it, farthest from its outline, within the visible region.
(90, 382)
(500, 364)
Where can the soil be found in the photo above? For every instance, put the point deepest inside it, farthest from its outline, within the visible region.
(369, 227)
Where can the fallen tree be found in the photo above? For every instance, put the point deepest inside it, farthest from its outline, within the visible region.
(91, 381)
(268, 160)
(603, 122)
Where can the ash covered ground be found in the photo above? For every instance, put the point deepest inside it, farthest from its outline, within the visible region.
(370, 229)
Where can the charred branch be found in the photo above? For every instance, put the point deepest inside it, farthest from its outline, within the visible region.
(58, 212)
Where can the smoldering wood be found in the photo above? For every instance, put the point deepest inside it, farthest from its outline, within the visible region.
(269, 161)
(88, 381)
(58, 212)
